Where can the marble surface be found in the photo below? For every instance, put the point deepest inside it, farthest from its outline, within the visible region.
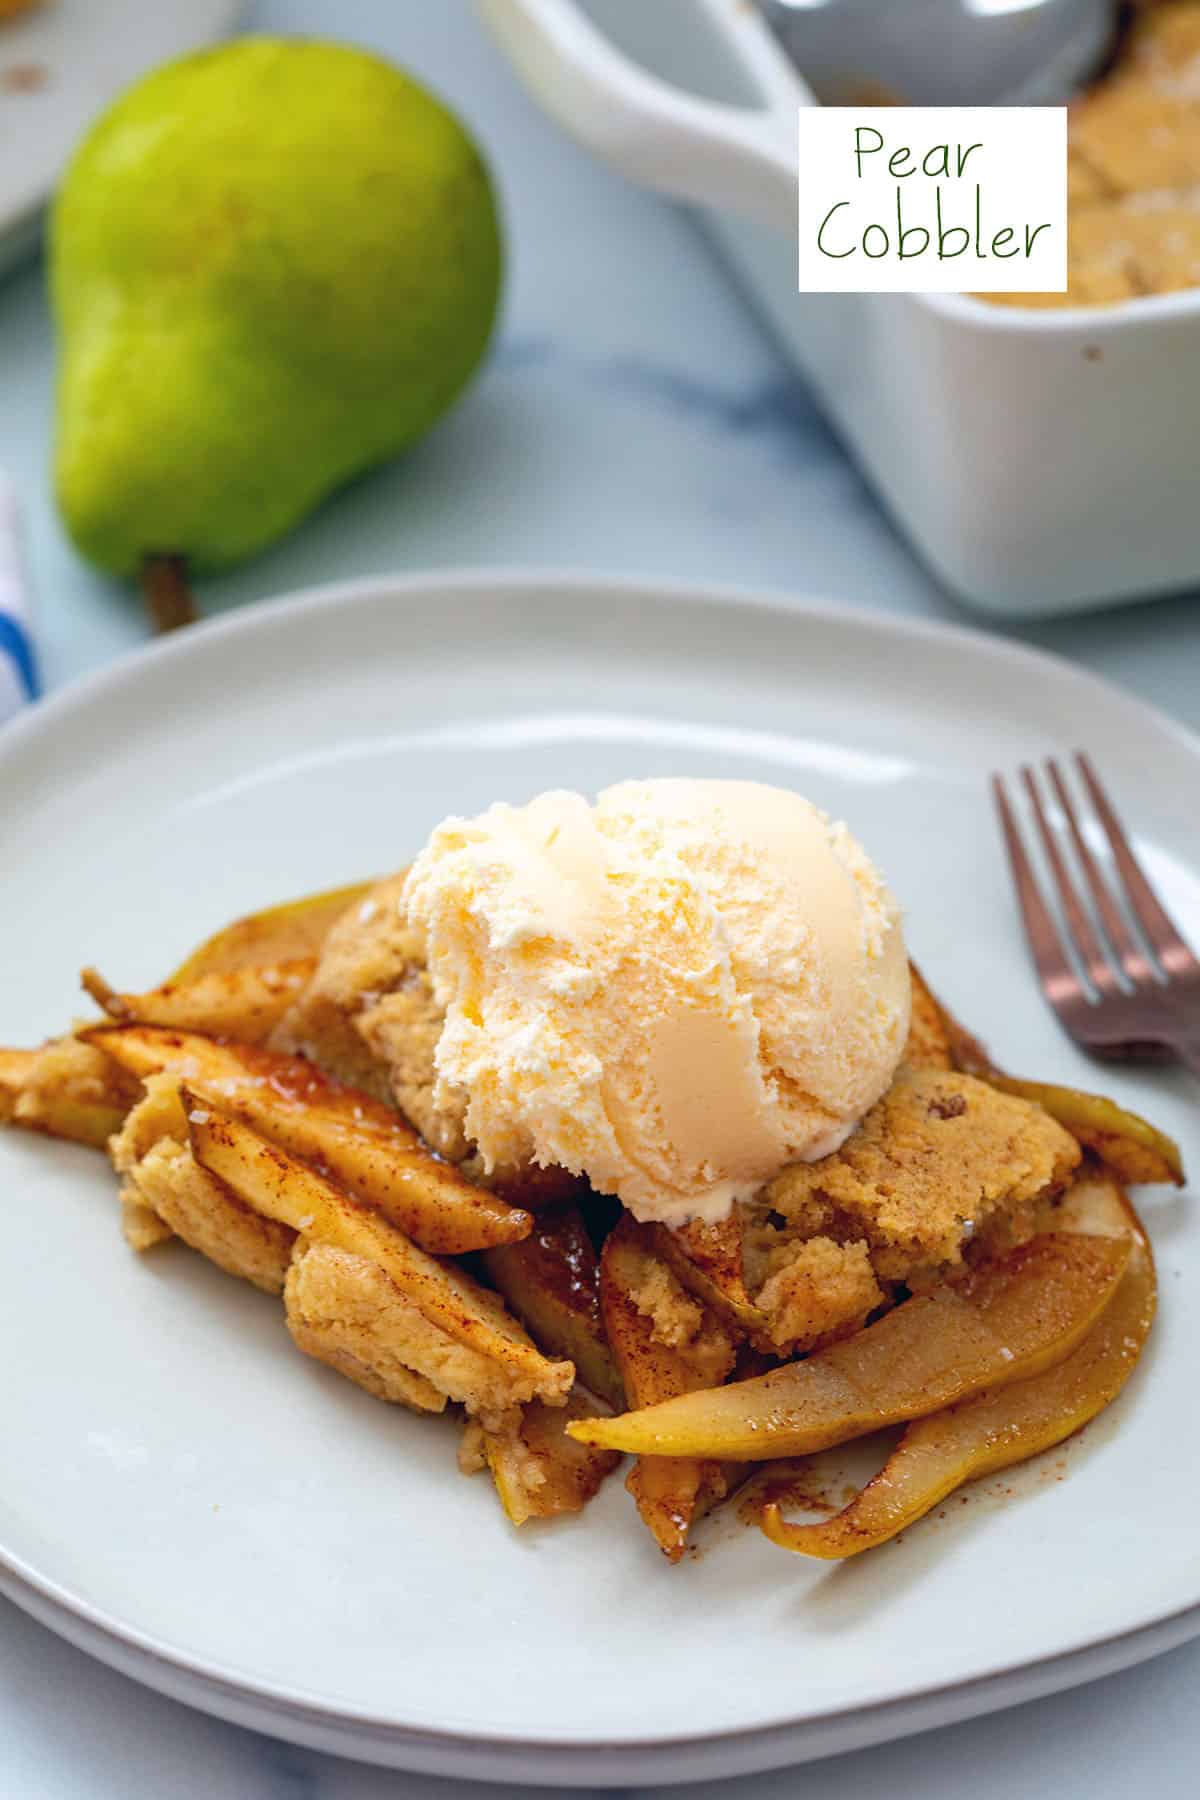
(634, 418)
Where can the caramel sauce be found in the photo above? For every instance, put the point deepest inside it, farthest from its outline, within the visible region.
(565, 1261)
(791, 1486)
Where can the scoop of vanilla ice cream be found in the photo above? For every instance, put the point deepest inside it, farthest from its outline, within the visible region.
(675, 991)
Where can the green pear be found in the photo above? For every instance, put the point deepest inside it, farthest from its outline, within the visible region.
(273, 265)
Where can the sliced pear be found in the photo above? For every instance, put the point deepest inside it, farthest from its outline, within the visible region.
(364, 1145)
(279, 1187)
(206, 1215)
(685, 1350)
(245, 1004)
(345, 1312)
(996, 1429)
(86, 1122)
(673, 1494)
(64, 1090)
(1136, 1151)
(1133, 1149)
(551, 1281)
(535, 1189)
(540, 1472)
(1007, 1320)
(708, 1259)
(297, 928)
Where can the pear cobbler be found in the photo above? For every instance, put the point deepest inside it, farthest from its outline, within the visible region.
(626, 1127)
(1133, 169)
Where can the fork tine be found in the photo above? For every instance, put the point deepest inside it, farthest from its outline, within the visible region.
(1079, 926)
(1174, 954)
(1060, 983)
(1120, 937)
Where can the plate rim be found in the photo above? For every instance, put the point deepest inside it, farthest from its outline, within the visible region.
(286, 1708)
(679, 1757)
(573, 584)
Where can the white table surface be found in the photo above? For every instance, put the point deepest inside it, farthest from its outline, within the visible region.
(634, 418)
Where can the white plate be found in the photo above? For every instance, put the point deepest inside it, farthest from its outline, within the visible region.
(58, 67)
(198, 1505)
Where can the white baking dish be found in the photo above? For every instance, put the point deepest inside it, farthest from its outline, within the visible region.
(1040, 462)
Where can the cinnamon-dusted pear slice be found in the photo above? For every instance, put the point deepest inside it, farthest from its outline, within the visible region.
(245, 1004)
(64, 1090)
(540, 1472)
(551, 1281)
(170, 1185)
(997, 1429)
(1134, 1149)
(665, 1343)
(65, 1104)
(280, 1187)
(708, 1259)
(1006, 1320)
(364, 1145)
(345, 1312)
(297, 928)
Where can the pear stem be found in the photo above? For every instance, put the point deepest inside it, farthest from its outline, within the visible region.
(166, 592)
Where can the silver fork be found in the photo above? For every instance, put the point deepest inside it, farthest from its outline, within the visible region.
(1109, 995)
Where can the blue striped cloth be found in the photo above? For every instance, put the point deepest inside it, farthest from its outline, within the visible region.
(18, 665)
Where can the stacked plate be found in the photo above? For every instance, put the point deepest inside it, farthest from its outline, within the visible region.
(59, 65)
